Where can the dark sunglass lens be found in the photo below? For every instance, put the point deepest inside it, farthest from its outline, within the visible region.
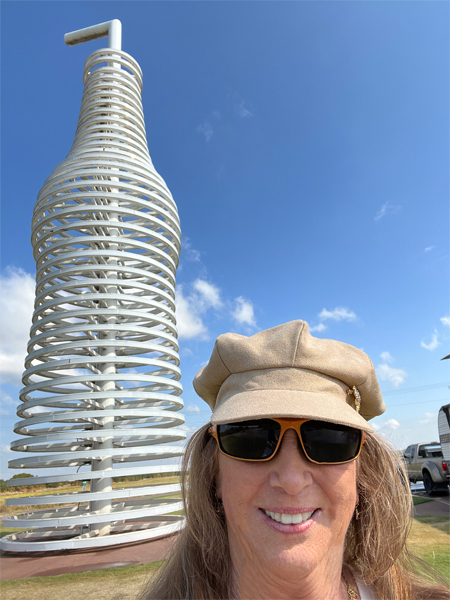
(250, 440)
(330, 443)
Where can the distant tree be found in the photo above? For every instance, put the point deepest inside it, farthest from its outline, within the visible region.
(2, 485)
(21, 476)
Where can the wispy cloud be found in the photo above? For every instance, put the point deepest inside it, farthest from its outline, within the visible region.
(388, 373)
(193, 408)
(428, 417)
(193, 305)
(387, 209)
(432, 344)
(242, 111)
(189, 253)
(391, 424)
(208, 294)
(6, 399)
(445, 321)
(386, 357)
(320, 327)
(16, 309)
(6, 404)
(338, 314)
(243, 312)
(429, 248)
(5, 448)
(206, 130)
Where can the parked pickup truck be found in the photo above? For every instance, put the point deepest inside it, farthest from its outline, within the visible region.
(424, 462)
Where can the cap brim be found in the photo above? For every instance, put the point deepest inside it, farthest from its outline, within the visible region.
(263, 404)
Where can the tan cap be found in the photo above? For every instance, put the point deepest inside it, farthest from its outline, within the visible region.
(286, 372)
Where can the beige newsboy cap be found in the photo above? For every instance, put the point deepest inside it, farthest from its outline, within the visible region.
(286, 372)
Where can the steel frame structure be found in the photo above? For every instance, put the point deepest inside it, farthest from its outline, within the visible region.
(101, 381)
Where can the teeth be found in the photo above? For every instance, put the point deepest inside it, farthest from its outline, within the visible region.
(289, 519)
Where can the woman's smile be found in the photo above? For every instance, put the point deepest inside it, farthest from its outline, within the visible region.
(290, 521)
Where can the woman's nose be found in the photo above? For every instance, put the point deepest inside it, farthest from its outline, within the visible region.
(290, 469)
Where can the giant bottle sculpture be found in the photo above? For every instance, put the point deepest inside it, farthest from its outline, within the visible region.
(101, 387)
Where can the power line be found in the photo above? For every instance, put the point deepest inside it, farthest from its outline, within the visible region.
(432, 386)
(443, 400)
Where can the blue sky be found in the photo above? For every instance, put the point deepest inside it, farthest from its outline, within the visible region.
(306, 146)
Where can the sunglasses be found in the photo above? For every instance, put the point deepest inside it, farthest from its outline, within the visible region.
(323, 443)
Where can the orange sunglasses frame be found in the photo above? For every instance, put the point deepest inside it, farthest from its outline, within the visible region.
(285, 424)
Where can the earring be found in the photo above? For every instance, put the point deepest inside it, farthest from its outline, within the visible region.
(219, 507)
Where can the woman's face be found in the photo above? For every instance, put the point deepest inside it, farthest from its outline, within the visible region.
(286, 485)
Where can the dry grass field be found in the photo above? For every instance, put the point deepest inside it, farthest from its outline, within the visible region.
(4, 509)
(121, 583)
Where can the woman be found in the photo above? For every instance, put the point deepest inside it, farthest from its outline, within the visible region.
(291, 495)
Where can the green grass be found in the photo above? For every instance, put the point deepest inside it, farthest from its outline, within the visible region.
(440, 560)
(429, 539)
(421, 500)
(7, 530)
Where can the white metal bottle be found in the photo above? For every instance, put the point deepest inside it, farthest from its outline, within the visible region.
(101, 387)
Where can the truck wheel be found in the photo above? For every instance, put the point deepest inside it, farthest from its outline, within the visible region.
(428, 483)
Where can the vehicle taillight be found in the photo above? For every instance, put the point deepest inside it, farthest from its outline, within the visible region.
(444, 466)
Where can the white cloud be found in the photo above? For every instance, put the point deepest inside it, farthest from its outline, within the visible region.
(191, 307)
(387, 209)
(428, 418)
(338, 314)
(189, 322)
(5, 448)
(186, 351)
(35, 410)
(192, 408)
(319, 327)
(209, 293)
(429, 248)
(189, 253)
(206, 127)
(244, 313)
(206, 130)
(16, 310)
(389, 425)
(386, 357)
(433, 344)
(4, 412)
(445, 321)
(6, 399)
(242, 111)
(387, 373)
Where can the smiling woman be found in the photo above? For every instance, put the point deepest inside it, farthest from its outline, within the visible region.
(291, 495)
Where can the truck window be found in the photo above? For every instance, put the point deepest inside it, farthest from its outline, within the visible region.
(430, 451)
(408, 452)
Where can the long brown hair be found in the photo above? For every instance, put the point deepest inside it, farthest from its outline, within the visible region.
(199, 567)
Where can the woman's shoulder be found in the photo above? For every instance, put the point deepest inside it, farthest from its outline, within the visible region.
(365, 592)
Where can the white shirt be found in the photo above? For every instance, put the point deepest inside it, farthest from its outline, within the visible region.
(365, 592)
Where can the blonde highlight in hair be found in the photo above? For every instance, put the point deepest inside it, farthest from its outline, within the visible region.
(199, 567)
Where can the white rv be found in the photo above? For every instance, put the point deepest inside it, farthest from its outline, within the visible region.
(444, 430)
